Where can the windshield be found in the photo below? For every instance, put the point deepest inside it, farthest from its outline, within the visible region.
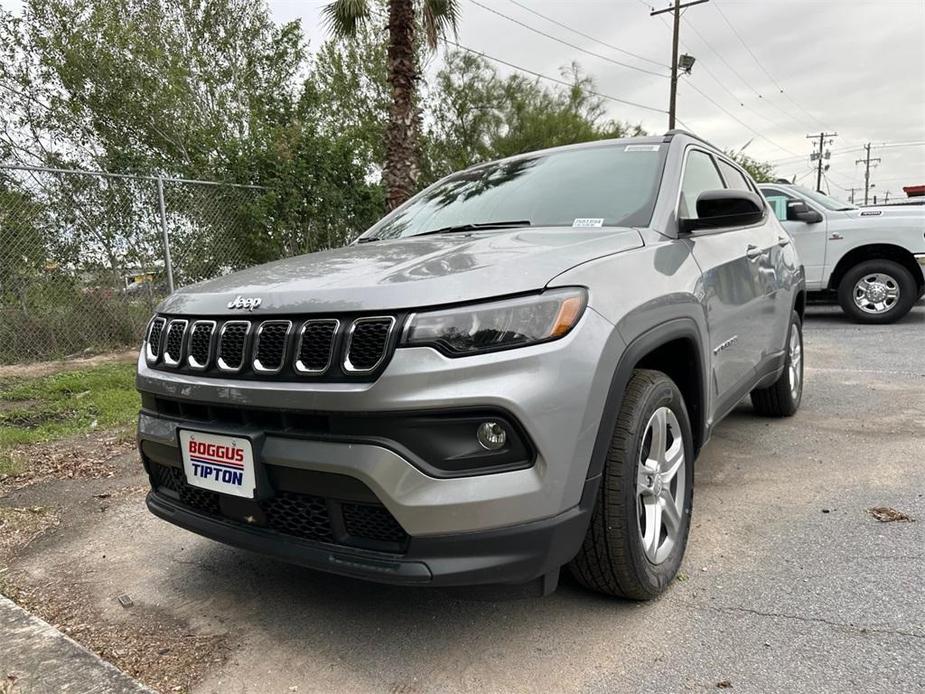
(609, 185)
(827, 202)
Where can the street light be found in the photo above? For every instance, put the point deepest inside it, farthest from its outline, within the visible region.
(686, 62)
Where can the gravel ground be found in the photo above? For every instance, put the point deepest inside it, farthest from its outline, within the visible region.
(790, 584)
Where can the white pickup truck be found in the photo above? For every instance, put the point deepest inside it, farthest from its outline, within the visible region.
(873, 257)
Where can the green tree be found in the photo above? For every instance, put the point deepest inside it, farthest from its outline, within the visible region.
(478, 115)
(761, 171)
(409, 21)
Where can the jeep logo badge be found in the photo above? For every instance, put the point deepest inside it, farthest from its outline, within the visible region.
(248, 303)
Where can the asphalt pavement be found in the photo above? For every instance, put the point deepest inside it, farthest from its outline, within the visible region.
(789, 583)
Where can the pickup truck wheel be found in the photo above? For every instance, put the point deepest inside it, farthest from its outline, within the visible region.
(782, 398)
(877, 291)
(641, 519)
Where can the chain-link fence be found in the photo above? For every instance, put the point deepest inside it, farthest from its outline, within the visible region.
(85, 256)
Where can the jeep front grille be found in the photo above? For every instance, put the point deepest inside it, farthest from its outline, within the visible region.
(346, 348)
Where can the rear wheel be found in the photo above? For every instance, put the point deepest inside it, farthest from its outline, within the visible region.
(877, 291)
(640, 523)
(782, 398)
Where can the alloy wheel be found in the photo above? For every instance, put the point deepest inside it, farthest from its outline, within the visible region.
(661, 485)
(795, 371)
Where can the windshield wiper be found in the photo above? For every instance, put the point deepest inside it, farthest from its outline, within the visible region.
(476, 227)
(456, 228)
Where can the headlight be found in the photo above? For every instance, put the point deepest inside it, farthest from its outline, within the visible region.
(496, 325)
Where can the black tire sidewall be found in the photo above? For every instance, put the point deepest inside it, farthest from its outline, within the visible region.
(908, 293)
(656, 577)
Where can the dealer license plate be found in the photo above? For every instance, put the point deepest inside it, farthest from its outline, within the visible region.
(220, 463)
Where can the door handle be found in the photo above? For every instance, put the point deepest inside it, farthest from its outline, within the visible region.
(783, 241)
(836, 237)
(753, 252)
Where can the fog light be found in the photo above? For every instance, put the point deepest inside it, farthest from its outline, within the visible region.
(492, 436)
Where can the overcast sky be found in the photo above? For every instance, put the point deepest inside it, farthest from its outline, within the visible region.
(855, 67)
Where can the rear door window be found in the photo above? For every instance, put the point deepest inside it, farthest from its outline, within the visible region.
(734, 177)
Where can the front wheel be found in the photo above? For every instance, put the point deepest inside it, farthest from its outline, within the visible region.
(639, 526)
(877, 291)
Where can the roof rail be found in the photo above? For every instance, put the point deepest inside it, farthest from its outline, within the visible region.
(677, 131)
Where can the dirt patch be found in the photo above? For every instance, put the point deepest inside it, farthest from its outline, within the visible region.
(44, 368)
(78, 457)
(148, 644)
(19, 526)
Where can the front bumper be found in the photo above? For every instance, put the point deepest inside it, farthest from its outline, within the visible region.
(556, 391)
(513, 555)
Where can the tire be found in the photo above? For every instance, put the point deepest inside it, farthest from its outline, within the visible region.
(613, 558)
(888, 275)
(783, 397)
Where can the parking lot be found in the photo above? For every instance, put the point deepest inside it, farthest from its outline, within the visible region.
(789, 583)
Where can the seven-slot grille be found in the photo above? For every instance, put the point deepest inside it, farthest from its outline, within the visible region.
(327, 348)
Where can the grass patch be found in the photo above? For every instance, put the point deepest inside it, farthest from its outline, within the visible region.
(52, 407)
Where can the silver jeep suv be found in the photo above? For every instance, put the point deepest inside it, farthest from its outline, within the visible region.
(511, 373)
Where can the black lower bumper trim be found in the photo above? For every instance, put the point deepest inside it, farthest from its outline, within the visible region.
(512, 555)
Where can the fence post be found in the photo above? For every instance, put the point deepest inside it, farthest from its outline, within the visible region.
(167, 264)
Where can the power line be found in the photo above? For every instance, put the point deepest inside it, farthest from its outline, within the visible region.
(745, 45)
(738, 120)
(551, 79)
(567, 43)
(720, 83)
(587, 36)
(748, 85)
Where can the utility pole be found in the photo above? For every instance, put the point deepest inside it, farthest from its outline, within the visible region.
(866, 161)
(820, 155)
(676, 9)
(851, 197)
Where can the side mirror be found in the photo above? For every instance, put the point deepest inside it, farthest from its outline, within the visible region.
(798, 211)
(717, 209)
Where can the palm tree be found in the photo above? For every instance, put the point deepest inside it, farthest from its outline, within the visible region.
(406, 18)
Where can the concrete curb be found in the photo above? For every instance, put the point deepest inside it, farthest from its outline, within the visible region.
(44, 660)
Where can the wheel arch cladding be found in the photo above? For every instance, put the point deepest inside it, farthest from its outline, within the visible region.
(877, 251)
(799, 303)
(674, 348)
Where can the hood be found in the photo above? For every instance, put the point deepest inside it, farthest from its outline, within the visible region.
(406, 273)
